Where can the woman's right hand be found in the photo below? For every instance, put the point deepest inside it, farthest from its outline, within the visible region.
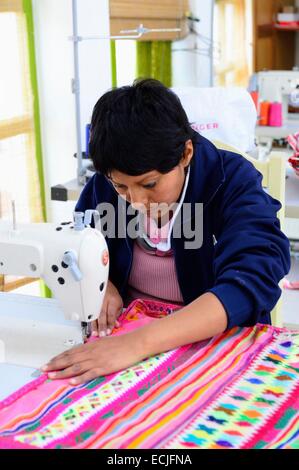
(111, 309)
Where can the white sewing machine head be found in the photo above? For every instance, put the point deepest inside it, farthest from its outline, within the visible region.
(70, 257)
(282, 86)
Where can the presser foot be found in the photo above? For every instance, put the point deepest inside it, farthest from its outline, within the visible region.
(86, 330)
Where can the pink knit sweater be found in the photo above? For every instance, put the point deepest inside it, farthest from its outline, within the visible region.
(153, 277)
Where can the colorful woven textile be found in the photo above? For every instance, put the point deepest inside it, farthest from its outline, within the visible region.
(238, 390)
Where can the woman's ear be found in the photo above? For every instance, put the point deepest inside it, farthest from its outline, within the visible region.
(188, 153)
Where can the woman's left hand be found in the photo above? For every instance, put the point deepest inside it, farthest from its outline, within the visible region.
(91, 360)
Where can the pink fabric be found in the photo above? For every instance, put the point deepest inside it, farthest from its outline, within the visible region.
(294, 285)
(153, 277)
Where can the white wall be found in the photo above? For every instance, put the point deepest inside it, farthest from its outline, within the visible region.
(54, 54)
(191, 69)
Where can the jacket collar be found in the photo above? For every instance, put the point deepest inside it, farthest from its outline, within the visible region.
(206, 172)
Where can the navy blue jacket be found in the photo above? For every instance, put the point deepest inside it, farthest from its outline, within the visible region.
(251, 255)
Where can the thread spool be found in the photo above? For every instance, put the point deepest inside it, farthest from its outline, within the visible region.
(255, 98)
(275, 115)
(264, 113)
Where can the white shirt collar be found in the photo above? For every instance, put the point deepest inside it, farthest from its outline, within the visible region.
(166, 245)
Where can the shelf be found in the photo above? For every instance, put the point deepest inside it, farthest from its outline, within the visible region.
(284, 27)
(290, 127)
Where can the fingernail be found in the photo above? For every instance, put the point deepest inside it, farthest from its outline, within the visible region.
(102, 333)
(73, 381)
(94, 333)
(108, 331)
(52, 375)
(45, 367)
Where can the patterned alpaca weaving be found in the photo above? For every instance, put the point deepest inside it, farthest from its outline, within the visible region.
(239, 389)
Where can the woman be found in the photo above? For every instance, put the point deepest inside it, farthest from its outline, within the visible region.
(221, 259)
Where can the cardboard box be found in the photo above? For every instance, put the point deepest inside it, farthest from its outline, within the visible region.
(289, 9)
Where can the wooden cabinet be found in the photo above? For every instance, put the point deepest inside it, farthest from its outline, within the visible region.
(273, 49)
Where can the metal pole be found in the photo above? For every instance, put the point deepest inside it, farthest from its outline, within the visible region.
(76, 91)
(14, 218)
(212, 47)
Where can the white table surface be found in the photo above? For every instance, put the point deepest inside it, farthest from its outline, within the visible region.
(47, 310)
(14, 377)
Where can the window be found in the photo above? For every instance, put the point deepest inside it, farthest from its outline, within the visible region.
(20, 177)
(233, 34)
(126, 62)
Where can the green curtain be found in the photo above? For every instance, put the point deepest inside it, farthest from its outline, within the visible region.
(154, 60)
(27, 8)
(113, 63)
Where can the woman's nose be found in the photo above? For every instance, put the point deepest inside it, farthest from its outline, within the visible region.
(139, 206)
(138, 200)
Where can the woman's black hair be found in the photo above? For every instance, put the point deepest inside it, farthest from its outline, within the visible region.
(139, 128)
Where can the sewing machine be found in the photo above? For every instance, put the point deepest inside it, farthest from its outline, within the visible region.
(281, 86)
(72, 258)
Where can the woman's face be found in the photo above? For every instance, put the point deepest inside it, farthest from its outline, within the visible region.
(144, 192)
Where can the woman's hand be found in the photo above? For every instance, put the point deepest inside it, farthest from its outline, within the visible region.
(111, 309)
(101, 357)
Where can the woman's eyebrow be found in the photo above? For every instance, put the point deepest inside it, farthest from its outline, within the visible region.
(115, 182)
(148, 178)
(118, 184)
(139, 182)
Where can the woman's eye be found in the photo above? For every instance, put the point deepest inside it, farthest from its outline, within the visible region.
(150, 185)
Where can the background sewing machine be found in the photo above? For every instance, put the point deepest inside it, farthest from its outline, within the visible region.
(280, 86)
(73, 260)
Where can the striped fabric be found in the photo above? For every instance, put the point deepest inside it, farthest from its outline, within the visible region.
(237, 390)
(293, 140)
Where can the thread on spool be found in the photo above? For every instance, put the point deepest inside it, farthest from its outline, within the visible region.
(264, 113)
(275, 114)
